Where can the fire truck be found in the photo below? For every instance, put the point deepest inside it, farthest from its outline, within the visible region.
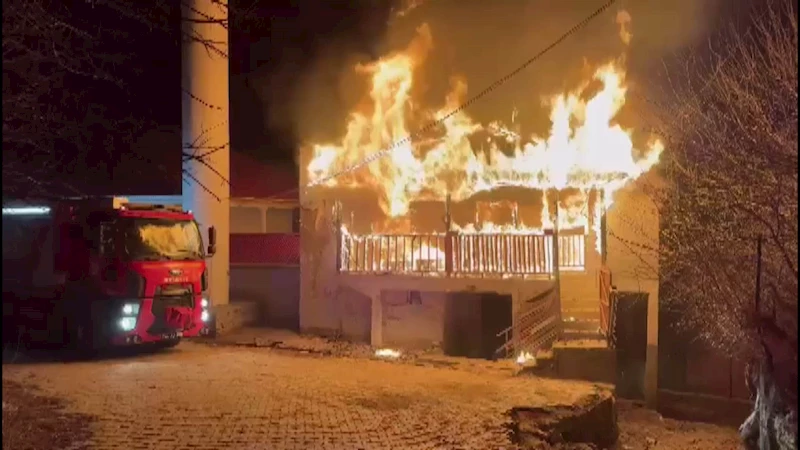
(88, 274)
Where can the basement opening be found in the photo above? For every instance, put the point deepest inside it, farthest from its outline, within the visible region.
(472, 322)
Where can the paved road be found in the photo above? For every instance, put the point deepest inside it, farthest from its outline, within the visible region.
(201, 397)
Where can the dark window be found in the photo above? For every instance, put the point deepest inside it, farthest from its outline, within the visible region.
(296, 220)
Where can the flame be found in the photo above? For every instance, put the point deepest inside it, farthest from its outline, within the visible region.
(387, 353)
(585, 148)
(525, 358)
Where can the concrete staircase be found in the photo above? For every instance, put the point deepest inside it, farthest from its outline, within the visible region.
(582, 352)
(581, 320)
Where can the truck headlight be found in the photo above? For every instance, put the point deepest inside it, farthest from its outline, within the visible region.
(205, 315)
(130, 309)
(127, 323)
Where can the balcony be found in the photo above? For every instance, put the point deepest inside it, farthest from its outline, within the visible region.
(463, 255)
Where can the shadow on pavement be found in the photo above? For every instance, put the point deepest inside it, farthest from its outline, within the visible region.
(22, 354)
(35, 421)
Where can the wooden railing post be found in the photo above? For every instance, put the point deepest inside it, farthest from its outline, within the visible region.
(448, 238)
(603, 229)
(337, 224)
(556, 265)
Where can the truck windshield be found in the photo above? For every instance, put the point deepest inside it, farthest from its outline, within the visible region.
(161, 239)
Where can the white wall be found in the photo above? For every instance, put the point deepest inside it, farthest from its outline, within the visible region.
(253, 216)
(413, 322)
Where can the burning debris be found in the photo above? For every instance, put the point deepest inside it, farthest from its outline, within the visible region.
(525, 358)
(387, 353)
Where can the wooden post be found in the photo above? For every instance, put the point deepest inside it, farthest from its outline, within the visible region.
(557, 263)
(515, 215)
(448, 238)
(603, 229)
(337, 223)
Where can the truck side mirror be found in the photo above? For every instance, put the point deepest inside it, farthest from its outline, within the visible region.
(212, 241)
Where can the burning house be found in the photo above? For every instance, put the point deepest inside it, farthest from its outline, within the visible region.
(470, 236)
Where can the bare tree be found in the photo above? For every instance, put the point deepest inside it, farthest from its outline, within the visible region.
(52, 59)
(731, 119)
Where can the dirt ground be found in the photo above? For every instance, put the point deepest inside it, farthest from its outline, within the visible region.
(202, 396)
(640, 428)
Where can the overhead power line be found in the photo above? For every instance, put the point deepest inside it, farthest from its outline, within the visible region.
(411, 137)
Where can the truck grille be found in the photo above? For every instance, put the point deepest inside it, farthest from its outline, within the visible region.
(169, 297)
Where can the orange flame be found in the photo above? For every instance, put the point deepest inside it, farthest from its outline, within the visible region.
(585, 148)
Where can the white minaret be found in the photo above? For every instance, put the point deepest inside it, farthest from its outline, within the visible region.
(205, 129)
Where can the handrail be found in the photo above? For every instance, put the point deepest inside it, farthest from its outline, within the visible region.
(490, 254)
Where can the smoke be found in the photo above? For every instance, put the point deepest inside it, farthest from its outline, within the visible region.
(482, 41)
(404, 7)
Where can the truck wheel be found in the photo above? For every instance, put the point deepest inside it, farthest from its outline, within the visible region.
(80, 343)
(167, 343)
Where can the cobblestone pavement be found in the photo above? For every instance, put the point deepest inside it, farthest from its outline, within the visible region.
(201, 397)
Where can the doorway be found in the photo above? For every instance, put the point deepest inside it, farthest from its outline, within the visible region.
(495, 317)
(472, 322)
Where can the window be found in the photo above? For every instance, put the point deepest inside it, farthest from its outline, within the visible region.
(296, 220)
(246, 219)
(280, 220)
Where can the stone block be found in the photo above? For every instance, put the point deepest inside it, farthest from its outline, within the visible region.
(235, 316)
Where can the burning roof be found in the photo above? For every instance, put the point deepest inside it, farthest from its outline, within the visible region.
(586, 149)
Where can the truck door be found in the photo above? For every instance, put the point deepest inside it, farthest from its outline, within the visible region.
(105, 264)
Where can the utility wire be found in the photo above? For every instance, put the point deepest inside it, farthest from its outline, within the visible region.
(430, 126)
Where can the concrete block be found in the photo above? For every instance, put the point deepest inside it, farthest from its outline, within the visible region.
(590, 363)
(235, 316)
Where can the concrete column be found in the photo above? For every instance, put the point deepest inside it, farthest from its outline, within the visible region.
(205, 130)
(376, 334)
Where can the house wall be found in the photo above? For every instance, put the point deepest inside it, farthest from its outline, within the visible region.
(580, 287)
(263, 216)
(263, 272)
(632, 225)
(276, 291)
(413, 321)
(326, 294)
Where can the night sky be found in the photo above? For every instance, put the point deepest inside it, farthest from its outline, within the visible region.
(289, 61)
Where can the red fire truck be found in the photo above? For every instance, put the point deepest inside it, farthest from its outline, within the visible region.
(95, 273)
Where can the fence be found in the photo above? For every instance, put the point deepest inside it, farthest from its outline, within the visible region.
(461, 254)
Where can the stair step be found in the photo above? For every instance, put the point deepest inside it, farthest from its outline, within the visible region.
(580, 335)
(581, 305)
(580, 315)
(580, 325)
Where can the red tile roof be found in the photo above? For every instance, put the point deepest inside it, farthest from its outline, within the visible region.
(251, 178)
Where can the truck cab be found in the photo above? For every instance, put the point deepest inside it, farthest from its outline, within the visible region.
(118, 273)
